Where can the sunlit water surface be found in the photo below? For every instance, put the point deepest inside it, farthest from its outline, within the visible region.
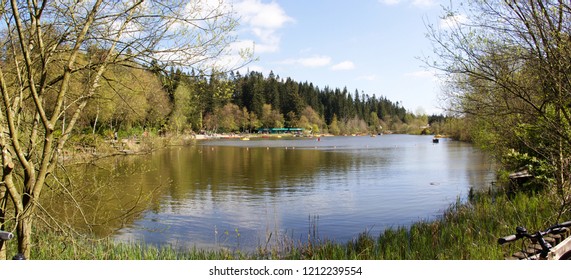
(243, 194)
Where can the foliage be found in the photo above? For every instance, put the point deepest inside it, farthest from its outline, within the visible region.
(76, 64)
(334, 126)
(130, 97)
(506, 65)
(271, 117)
(275, 102)
(183, 108)
(540, 169)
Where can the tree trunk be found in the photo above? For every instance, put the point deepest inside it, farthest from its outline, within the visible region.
(2, 250)
(3, 200)
(95, 122)
(24, 229)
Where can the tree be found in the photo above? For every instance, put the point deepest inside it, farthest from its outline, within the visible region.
(292, 100)
(160, 105)
(254, 121)
(375, 123)
(183, 108)
(129, 97)
(312, 120)
(507, 64)
(273, 91)
(46, 76)
(271, 117)
(230, 117)
(218, 92)
(334, 126)
(244, 120)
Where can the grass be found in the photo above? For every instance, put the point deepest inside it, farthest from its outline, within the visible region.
(52, 246)
(466, 231)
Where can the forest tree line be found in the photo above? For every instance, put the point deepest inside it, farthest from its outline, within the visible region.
(178, 102)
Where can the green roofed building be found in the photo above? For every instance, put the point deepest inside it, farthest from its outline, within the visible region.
(293, 130)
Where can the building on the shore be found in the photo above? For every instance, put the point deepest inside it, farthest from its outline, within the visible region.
(284, 130)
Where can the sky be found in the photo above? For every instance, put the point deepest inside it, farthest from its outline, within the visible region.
(373, 46)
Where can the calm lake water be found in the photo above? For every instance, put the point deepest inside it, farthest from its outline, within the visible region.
(240, 194)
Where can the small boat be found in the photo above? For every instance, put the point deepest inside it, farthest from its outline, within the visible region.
(245, 139)
(435, 140)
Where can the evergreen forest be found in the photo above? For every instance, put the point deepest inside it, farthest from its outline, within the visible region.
(175, 102)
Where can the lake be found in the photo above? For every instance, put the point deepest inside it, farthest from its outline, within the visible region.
(242, 194)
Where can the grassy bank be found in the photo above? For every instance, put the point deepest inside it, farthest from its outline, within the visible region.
(464, 231)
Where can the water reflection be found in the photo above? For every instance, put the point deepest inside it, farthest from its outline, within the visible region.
(238, 193)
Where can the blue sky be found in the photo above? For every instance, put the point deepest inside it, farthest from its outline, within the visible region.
(369, 45)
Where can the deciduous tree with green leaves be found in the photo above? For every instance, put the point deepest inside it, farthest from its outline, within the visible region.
(46, 76)
(508, 63)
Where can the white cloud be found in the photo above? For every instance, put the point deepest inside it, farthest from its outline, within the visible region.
(313, 61)
(345, 65)
(452, 21)
(263, 20)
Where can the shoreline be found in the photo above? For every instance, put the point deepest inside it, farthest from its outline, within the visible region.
(244, 136)
(96, 147)
(464, 231)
